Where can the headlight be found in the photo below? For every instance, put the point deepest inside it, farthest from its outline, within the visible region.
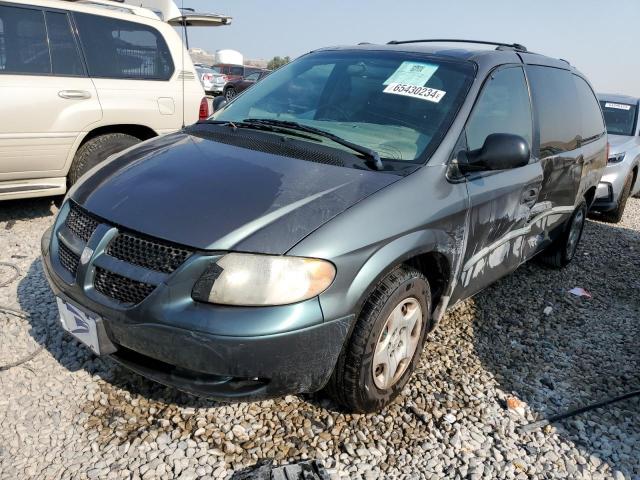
(253, 280)
(616, 158)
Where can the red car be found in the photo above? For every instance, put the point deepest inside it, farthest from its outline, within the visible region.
(234, 87)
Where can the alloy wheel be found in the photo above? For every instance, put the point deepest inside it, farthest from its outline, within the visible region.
(397, 343)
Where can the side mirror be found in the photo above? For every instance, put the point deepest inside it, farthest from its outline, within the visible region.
(219, 102)
(501, 151)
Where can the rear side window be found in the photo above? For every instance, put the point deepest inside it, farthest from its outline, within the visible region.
(120, 49)
(64, 52)
(23, 41)
(558, 108)
(592, 123)
(503, 107)
(236, 71)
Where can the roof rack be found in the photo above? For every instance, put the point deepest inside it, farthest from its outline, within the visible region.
(512, 46)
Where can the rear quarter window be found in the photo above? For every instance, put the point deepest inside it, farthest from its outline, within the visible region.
(558, 109)
(592, 122)
(120, 49)
(23, 41)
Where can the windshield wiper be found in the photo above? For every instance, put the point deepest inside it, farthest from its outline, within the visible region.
(257, 126)
(371, 155)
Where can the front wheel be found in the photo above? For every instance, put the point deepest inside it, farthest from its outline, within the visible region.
(563, 249)
(386, 343)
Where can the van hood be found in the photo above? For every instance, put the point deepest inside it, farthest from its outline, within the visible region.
(207, 195)
(621, 143)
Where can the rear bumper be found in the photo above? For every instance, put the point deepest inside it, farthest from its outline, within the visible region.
(174, 342)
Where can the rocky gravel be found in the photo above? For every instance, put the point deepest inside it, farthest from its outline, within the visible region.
(524, 343)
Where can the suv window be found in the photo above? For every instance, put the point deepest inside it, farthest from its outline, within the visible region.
(121, 49)
(253, 77)
(64, 52)
(23, 41)
(557, 106)
(503, 107)
(592, 123)
(236, 71)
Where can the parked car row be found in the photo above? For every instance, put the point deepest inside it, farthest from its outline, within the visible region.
(311, 232)
(229, 80)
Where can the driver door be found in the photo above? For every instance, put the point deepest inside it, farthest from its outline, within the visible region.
(501, 202)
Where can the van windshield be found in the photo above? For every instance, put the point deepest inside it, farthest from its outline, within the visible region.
(619, 117)
(398, 104)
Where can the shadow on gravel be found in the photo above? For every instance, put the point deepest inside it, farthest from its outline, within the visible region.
(584, 351)
(13, 210)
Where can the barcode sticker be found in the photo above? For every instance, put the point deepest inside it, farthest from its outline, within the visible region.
(619, 106)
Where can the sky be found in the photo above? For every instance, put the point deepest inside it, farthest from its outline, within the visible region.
(600, 40)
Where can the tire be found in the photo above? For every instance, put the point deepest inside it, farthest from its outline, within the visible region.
(356, 382)
(97, 150)
(615, 215)
(230, 93)
(563, 249)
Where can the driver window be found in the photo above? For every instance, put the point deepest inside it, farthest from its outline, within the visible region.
(503, 107)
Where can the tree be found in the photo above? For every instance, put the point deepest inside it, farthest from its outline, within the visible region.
(277, 62)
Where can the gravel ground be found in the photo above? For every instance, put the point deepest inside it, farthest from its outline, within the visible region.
(68, 414)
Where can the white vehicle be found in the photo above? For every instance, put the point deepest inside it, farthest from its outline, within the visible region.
(82, 80)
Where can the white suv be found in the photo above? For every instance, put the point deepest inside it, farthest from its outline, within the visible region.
(80, 81)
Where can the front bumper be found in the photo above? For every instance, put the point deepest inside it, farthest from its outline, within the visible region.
(207, 350)
(611, 186)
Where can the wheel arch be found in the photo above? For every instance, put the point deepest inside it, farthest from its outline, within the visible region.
(141, 132)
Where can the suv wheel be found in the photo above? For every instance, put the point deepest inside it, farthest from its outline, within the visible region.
(563, 249)
(386, 343)
(96, 150)
(615, 216)
(230, 93)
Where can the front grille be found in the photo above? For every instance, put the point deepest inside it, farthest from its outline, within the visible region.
(68, 259)
(121, 288)
(151, 254)
(81, 223)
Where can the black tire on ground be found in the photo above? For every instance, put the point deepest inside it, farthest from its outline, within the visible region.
(230, 93)
(352, 384)
(615, 216)
(97, 150)
(563, 249)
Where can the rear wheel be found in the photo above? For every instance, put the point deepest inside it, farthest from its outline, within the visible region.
(563, 249)
(615, 216)
(386, 343)
(230, 93)
(97, 150)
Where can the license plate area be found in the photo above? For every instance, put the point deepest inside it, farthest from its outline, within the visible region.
(80, 323)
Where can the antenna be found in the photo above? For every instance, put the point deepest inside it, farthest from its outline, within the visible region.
(184, 45)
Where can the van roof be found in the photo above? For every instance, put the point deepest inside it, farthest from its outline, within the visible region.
(501, 54)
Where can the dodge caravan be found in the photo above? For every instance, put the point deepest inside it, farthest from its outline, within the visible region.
(313, 231)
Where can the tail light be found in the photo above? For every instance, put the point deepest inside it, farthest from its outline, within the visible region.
(608, 149)
(207, 77)
(204, 109)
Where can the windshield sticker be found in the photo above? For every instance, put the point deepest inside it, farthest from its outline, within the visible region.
(619, 106)
(412, 73)
(423, 93)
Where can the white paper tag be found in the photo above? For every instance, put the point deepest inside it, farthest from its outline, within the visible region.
(619, 106)
(423, 93)
(412, 73)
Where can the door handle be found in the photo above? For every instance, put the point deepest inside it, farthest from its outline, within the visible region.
(74, 94)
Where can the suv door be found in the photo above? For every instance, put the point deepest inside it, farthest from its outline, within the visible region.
(47, 98)
(132, 68)
(500, 201)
